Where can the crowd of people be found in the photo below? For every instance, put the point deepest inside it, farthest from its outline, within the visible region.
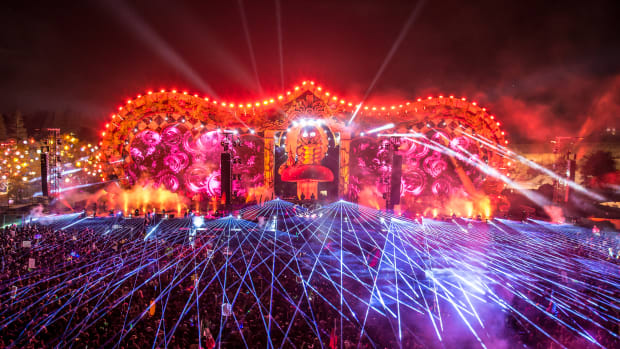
(556, 316)
(79, 292)
(87, 287)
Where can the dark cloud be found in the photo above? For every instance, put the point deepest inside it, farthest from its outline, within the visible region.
(550, 62)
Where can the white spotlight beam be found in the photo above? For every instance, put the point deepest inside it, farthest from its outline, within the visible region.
(381, 128)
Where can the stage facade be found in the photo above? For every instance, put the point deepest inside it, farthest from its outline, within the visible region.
(427, 154)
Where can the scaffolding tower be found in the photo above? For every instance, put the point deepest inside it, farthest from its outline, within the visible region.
(51, 149)
(565, 166)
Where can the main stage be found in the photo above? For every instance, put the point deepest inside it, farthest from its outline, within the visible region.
(426, 155)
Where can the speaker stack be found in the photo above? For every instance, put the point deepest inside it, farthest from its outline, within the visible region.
(226, 178)
(397, 172)
(44, 188)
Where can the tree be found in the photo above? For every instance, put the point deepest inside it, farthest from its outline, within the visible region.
(546, 190)
(3, 133)
(596, 165)
(17, 189)
(20, 130)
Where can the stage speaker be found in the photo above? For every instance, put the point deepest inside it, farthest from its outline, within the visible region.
(397, 172)
(571, 166)
(226, 178)
(44, 190)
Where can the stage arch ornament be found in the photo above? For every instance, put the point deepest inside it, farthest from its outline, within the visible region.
(174, 138)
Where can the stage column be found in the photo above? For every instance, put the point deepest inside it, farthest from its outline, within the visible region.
(343, 171)
(269, 161)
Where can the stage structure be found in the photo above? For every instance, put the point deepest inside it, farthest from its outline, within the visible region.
(51, 163)
(302, 143)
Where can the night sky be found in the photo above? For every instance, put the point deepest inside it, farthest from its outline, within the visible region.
(545, 68)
